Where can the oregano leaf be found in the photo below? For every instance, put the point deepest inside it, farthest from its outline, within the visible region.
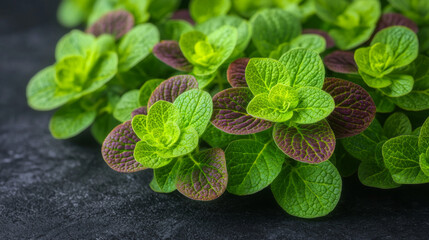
(195, 107)
(116, 23)
(341, 62)
(230, 115)
(70, 120)
(169, 53)
(354, 107)
(203, 176)
(305, 68)
(171, 88)
(401, 156)
(164, 178)
(118, 149)
(252, 165)
(307, 190)
(236, 73)
(312, 143)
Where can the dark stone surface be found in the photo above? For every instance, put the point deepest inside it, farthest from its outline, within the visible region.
(52, 189)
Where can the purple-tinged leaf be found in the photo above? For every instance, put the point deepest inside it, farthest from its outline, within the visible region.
(329, 40)
(312, 143)
(183, 14)
(117, 23)
(395, 19)
(203, 175)
(230, 115)
(171, 88)
(118, 149)
(236, 72)
(169, 53)
(341, 62)
(139, 111)
(354, 107)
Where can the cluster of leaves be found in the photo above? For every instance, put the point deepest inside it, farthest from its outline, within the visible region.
(233, 95)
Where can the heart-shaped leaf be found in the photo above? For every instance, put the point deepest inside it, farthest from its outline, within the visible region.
(341, 62)
(329, 40)
(354, 107)
(171, 88)
(230, 115)
(203, 176)
(169, 53)
(312, 143)
(117, 23)
(118, 149)
(236, 72)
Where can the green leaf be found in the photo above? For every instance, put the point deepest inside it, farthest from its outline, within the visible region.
(75, 43)
(71, 12)
(416, 100)
(374, 173)
(363, 146)
(207, 53)
(102, 126)
(305, 68)
(424, 136)
(203, 176)
(147, 89)
(70, 120)
(262, 74)
(126, 105)
(148, 157)
(383, 103)
(219, 139)
(186, 143)
(173, 29)
(136, 45)
(356, 23)
(401, 156)
(203, 10)
(402, 41)
(164, 178)
(397, 124)
(244, 30)
(139, 126)
(276, 106)
(343, 161)
(307, 190)
(272, 27)
(42, 92)
(159, 114)
(195, 107)
(424, 162)
(401, 85)
(252, 165)
(314, 105)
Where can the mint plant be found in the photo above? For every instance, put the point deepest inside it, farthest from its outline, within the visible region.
(233, 95)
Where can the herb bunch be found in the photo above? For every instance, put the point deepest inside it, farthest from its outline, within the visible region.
(241, 95)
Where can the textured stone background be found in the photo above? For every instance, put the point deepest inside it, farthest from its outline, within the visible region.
(52, 189)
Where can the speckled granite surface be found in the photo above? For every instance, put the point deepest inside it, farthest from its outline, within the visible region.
(52, 189)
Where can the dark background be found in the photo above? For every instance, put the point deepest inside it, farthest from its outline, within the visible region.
(51, 189)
